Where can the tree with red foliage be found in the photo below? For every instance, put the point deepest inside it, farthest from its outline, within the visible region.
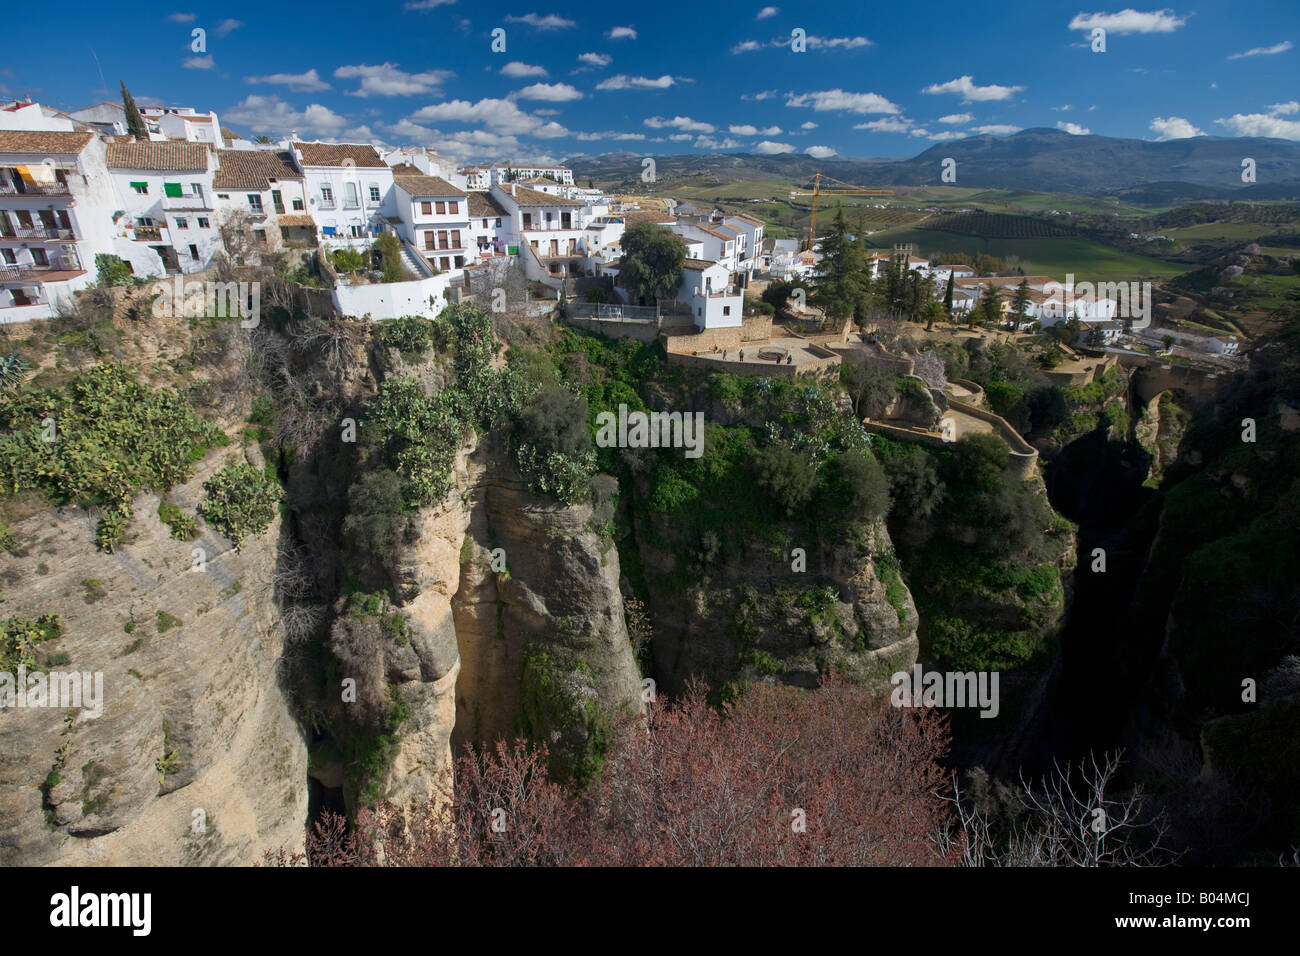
(778, 777)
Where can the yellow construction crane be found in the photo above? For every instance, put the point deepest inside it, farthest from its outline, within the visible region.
(848, 190)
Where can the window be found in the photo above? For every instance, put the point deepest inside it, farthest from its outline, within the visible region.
(194, 251)
(350, 200)
(255, 202)
(327, 195)
(426, 209)
(297, 205)
(460, 261)
(277, 200)
(455, 238)
(357, 232)
(442, 207)
(442, 238)
(40, 257)
(260, 235)
(182, 222)
(223, 195)
(196, 190)
(173, 190)
(9, 258)
(453, 207)
(484, 223)
(726, 310)
(374, 194)
(204, 223)
(444, 263)
(428, 241)
(141, 189)
(498, 223)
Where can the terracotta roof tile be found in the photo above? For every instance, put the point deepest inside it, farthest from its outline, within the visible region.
(417, 184)
(168, 156)
(334, 154)
(252, 168)
(39, 141)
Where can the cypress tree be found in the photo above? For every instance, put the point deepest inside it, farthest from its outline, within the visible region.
(134, 121)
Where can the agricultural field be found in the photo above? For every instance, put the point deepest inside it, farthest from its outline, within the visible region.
(1043, 256)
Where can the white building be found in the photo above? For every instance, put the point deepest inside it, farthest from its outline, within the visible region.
(166, 220)
(349, 190)
(706, 288)
(551, 226)
(55, 209)
(511, 172)
(265, 190)
(750, 249)
(183, 123)
(477, 178)
(487, 227)
(435, 218)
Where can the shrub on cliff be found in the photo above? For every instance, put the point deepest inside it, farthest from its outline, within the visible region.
(241, 501)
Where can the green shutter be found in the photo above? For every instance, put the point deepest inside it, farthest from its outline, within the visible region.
(139, 185)
(173, 190)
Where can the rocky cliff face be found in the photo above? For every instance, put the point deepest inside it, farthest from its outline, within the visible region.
(189, 662)
(536, 579)
(768, 613)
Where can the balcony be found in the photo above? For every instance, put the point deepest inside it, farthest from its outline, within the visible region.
(351, 204)
(35, 189)
(58, 235)
(328, 204)
(147, 234)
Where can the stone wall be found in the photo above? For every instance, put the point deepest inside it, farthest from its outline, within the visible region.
(640, 329)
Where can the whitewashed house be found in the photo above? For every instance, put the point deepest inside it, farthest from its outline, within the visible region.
(166, 217)
(56, 205)
(183, 123)
(264, 190)
(349, 191)
(435, 218)
(552, 227)
(706, 288)
(488, 233)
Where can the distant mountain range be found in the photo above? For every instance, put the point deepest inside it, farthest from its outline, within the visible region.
(1041, 160)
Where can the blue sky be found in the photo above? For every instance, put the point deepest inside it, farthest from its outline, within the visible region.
(875, 79)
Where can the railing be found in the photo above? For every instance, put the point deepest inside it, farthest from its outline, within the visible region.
(351, 204)
(328, 204)
(188, 202)
(35, 189)
(38, 300)
(143, 234)
(41, 233)
(12, 273)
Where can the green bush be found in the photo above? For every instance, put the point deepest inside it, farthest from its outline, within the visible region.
(241, 501)
(19, 637)
(13, 369)
(112, 270)
(553, 445)
(389, 248)
(787, 476)
(185, 527)
(411, 334)
(348, 260)
(856, 485)
(113, 438)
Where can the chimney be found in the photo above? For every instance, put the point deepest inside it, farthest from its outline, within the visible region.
(512, 190)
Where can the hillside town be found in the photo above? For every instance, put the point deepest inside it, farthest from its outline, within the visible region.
(81, 188)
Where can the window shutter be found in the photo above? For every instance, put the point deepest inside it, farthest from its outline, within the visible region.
(173, 190)
(139, 185)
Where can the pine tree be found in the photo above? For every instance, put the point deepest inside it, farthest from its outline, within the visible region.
(844, 283)
(947, 298)
(1021, 301)
(134, 121)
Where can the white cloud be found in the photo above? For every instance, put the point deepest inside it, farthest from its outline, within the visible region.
(769, 148)
(744, 129)
(621, 33)
(1264, 50)
(824, 100)
(227, 27)
(679, 137)
(199, 62)
(519, 70)
(746, 46)
(273, 116)
(624, 82)
(550, 93)
(888, 125)
(808, 125)
(595, 59)
(1285, 108)
(997, 129)
(1063, 109)
(708, 142)
(763, 95)
(308, 82)
(919, 132)
(957, 118)
(970, 93)
(1074, 129)
(1259, 124)
(767, 12)
(820, 152)
(502, 117)
(551, 21)
(680, 122)
(832, 43)
(1175, 127)
(948, 134)
(387, 80)
(181, 17)
(596, 137)
(1128, 21)
(425, 4)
